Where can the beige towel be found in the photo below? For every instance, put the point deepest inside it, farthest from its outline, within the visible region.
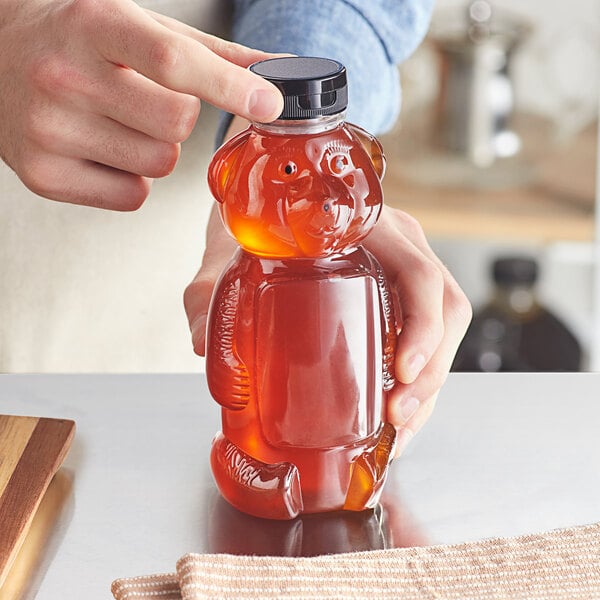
(562, 564)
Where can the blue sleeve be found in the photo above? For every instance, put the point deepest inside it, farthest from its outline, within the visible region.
(370, 37)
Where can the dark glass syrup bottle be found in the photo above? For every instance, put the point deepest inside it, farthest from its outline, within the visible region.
(513, 331)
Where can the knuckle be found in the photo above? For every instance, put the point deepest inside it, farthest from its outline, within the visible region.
(197, 294)
(458, 304)
(50, 73)
(200, 287)
(84, 9)
(409, 225)
(188, 297)
(164, 57)
(219, 45)
(56, 76)
(180, 117)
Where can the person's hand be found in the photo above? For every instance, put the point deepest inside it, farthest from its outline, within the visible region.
(435, 314)
(435, 311)
(96, 95)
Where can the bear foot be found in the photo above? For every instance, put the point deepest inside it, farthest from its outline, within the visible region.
(270, 491)
(369, 470)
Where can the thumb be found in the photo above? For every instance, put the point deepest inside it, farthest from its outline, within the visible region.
(196, 298)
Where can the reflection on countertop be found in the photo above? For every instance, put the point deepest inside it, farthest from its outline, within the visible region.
(387, 526)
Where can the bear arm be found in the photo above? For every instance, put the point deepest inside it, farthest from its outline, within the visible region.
(389, 328)
(227, 375)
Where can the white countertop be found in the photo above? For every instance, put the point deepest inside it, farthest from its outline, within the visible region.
(502, 455)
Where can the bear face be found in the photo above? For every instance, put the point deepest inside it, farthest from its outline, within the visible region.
(299, 195)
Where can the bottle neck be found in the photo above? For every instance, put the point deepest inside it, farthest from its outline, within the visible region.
(517, 298)
(302, 126)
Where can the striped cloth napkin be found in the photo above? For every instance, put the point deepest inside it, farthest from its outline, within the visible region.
(559, 565)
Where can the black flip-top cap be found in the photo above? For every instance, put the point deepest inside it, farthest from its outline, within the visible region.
(311, 86)
(514, 270)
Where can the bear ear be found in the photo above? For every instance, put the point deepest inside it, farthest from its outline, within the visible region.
(372, 147)
(223, 162)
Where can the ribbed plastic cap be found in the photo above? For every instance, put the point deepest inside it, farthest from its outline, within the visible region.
(311, 86)
(515, 270)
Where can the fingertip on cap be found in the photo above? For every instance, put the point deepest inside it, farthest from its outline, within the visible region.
(265, 105)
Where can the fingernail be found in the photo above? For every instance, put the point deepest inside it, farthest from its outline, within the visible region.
(408, 407)
(402, 440)
(263, 105)
(415, 366)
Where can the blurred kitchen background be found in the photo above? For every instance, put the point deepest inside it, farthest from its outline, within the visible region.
(495, 153)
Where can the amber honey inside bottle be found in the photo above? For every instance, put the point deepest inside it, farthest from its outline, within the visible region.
(301, 330)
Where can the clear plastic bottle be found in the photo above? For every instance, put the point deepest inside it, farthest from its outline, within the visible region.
(513, 331)
(301, 331)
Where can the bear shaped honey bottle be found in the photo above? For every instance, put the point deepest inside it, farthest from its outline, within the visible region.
(301, 329)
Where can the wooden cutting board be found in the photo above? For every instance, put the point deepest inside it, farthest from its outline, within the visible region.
(31, 451)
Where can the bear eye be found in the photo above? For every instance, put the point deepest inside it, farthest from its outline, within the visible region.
(338, 163)
(287, 169)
